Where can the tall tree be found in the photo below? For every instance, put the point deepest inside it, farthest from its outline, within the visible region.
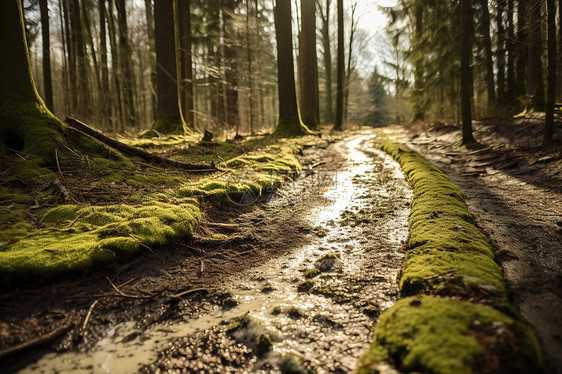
(340, 74)
(104, 88)
(289, 120)
(81, 89)
(167, 114)
(126, 60)
(510, 52)
(521, 48)
(551, 77)
(535, 85)
(230, 63)
(485, 27)
(249, 61)
(45, 32)
(500, 49)
(465, 73)
(308, 72)
(25, 122)
(185, 59)
(349, 69)
(419, 100)
(149, 13)
(327, 56)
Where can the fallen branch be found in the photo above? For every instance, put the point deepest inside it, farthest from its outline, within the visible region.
(188, 292)
(35, 342)
(85, 323)
(123, 294)
(125, 148)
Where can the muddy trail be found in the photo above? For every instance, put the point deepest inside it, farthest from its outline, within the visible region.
(296, 284)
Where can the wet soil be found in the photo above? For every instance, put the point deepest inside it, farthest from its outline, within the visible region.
(342, 223)
(514, 188)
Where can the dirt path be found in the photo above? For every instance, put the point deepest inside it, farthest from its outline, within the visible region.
(342, 225)
(515, 191)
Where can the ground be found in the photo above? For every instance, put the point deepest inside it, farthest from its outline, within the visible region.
(216, 303)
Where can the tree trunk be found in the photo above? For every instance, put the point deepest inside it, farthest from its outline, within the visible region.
(500, 51)
(289, 121)
(535, 75)
(349, 69)
(250, 77)
(490, 85)
(231, 65)
(419, 106)
(115, 70)
(340, 74)
(551, 79)
(325, 32)
(465, 72)
(105, 101)
(126, 60)
(25, 123)
(308, 66)
(521, 48)
(46, 54)
(81, 106)
(186, 63)
(64, 72)
(150, 28)
(510, 82)
(559, 71)
(167, 115)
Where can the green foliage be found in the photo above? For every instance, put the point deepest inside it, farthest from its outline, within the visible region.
(378, 112)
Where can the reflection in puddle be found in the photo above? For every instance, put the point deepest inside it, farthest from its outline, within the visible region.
(361, 228)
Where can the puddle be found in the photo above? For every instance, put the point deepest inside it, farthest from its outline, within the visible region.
(360, 227)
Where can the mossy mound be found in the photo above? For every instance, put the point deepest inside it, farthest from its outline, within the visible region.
(76, 238)
(291, 129)
(428, 334)
(460, 321)
(171, 126)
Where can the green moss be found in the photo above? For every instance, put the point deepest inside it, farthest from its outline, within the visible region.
(264, 344)
(311, 273)
(435, 335)
(291, 129)
(170, 126)
(447, 254)
(305, 286)
(99, 234)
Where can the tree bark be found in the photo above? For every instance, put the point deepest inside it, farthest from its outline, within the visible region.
(150, 28)
(500, 50)
(126, 60)
(249, 61)
(521, 48)
(167, 115)
(510, 80)
(289, 121)
(105, 101)
(535, 74)
(340, 74)
(551, 78)
(115, 70)
(308, 66)
(465, 73)
(81, 106)
(349, 69)
(45, 32)
(419, 106)
(231, 65)
(186, 62)
(325, 33)
(490, 84)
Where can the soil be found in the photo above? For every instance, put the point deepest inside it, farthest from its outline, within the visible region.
(514, 188)
(346, 216)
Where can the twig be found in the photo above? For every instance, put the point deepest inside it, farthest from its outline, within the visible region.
(201, 267)
(74, 221)
(35, 342)
(123, 294)
(441, 274)
(184, 293)
(87, 318)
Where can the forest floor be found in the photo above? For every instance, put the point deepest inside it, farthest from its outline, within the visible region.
(307, 271)
(298, 281)
(514, 188)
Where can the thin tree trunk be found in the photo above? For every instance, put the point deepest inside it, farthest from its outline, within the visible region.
(250, 78)
(126, 60)
(340, 74)
(490, 85)
(308, 65)
(559, 69)
(465, 72)
(150, 27)
(500, 50)
(46, 55)
(65, 79)
(352, 30)
(551, 79)
(186, 63)
(535, 74)
(510, 82)
(325, 33)
(105, 100)
(231, 66)
(521, 48)
(419, 106)
(115, 58)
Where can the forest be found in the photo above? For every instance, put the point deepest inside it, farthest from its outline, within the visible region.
(281, 186)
